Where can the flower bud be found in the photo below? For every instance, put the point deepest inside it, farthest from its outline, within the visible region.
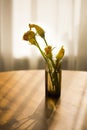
(39, 30)
(25, 36)
(30, 36)
(60, 54)
(48, 51)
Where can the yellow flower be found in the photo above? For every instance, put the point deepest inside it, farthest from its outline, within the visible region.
(39, 30)
(60, 54)
(48, 51)
(30, 36)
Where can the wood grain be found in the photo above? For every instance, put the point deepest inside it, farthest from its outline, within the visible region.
(23, 105)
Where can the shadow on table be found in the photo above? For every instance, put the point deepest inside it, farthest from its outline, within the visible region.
(84, 126)
(8, 125)
(42, 117)
(51, 106)
(39, 120)
(35, 121)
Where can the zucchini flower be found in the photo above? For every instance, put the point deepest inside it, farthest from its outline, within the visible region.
(60, 54)
(38, 29)
(30, 36)
(48, 51)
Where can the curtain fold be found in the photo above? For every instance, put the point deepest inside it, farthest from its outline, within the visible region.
(82, 40)
(6, 34)
(64, 21)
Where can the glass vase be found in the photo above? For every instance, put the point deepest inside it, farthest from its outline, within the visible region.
(53, 82)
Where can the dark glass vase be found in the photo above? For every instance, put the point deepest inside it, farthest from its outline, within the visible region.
(53, 83)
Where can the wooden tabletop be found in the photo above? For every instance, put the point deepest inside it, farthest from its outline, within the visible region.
(23, 105)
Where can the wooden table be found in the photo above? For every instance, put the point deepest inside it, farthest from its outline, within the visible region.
(22, 102)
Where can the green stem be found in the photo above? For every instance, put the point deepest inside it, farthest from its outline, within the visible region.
(52, 63)
(46, 59)
(41, 51)
(45, 41)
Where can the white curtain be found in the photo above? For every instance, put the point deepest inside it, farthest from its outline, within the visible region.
(64, 22)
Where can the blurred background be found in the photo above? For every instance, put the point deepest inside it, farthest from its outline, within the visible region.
(64, 21)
